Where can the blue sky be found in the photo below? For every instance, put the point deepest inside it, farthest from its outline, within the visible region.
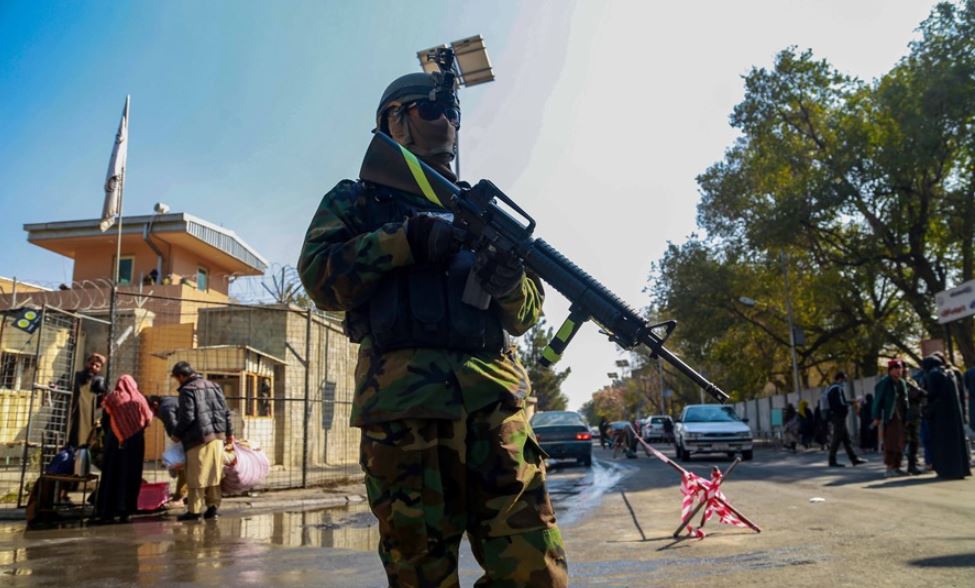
(245, 113)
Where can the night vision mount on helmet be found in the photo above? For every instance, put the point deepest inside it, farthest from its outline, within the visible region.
(440, 87)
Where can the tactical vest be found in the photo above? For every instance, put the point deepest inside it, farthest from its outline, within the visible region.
(418, 306)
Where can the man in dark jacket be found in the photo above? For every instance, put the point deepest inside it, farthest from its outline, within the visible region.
(203, 425)
(165, 409)
(839, 408)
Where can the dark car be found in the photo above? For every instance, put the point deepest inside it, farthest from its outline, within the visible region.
(564, 434)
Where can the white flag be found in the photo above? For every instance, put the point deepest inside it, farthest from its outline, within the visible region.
(116, 172)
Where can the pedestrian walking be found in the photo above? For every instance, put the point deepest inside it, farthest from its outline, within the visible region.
(604, 433)
(839, 408)
(820, 428)
(890, 412)
(790, 427)
(204, 427)
(446, 448)
(949, 447)
(807, 424)
(957, 377)
(868, 432)
(125, 417)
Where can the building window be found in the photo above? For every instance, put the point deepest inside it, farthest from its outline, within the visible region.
(257, 398)
(16, 370)
(202, 279)
(264, 392)
(126, 265)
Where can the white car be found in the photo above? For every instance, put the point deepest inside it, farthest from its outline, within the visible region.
(711, 428)
(655, 428)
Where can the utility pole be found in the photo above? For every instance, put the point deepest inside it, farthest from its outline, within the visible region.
(792, 328)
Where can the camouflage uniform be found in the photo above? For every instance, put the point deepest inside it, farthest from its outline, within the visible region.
(446, 445)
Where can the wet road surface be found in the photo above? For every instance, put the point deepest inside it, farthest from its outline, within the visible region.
(324, 547)
(901, 532)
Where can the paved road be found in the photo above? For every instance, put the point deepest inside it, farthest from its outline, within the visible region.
(866, 530)
(905, 532)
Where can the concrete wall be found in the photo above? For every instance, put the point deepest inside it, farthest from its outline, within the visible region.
(759, 410)
(281, 332)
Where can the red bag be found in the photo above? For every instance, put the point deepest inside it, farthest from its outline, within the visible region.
(153, 495)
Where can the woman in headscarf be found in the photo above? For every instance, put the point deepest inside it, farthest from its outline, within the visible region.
(868, 432)
(126, 416)
(790, 427)
(949, 447)
(807, 424)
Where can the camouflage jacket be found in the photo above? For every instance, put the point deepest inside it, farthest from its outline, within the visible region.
(341, 266)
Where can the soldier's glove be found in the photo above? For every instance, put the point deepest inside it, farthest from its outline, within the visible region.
(498, 273)
(431, 238)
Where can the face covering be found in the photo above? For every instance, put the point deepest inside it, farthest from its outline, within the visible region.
(431, 140)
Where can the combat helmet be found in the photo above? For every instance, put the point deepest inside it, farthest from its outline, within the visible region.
(410, 87)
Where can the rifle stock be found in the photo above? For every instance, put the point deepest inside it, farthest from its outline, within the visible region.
(487, 224)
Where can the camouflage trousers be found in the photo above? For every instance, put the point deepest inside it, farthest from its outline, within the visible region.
(430, 481)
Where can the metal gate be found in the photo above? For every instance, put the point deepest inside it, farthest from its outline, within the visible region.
(46, 342)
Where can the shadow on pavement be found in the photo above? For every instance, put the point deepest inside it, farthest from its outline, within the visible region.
(904, 482)
(958, 560)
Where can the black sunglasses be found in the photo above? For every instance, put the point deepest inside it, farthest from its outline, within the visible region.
(430, 110)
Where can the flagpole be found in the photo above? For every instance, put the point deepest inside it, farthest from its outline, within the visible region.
(118, 238)
(111, 368)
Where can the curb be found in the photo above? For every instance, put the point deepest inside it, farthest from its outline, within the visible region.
(237, 505)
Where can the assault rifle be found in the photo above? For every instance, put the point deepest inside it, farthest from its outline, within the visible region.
(485, 223)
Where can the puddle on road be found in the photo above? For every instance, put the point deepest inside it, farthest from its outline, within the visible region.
(575, 495)
(167, 551)
(349, 527)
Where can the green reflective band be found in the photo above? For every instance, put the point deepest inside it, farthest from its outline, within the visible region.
(420, 177)
(565, 331)
(550, 356)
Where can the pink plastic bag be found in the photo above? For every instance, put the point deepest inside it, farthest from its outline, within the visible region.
(249, 470)
(153, 495)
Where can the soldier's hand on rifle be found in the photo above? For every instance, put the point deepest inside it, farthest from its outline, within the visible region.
(431, 238)
(499, 273)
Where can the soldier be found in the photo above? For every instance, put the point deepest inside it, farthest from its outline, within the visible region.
(446, 445)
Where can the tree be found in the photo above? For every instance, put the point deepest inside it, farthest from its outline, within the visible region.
(873, 182)
(546, 382)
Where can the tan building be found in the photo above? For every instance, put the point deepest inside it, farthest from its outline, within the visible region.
(288, 372)
(164, 249)
(13, 286)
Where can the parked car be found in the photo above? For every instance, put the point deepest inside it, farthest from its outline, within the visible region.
(564, 434)
(594, 431)
(711, 428)
(655, 428)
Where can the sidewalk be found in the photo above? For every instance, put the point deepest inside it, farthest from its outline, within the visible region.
(302, 498)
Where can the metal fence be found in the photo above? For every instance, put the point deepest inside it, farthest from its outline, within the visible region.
(287, 373)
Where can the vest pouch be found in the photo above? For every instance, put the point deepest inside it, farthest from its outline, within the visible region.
(385, 308)
(471, 328)
(428, 306)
